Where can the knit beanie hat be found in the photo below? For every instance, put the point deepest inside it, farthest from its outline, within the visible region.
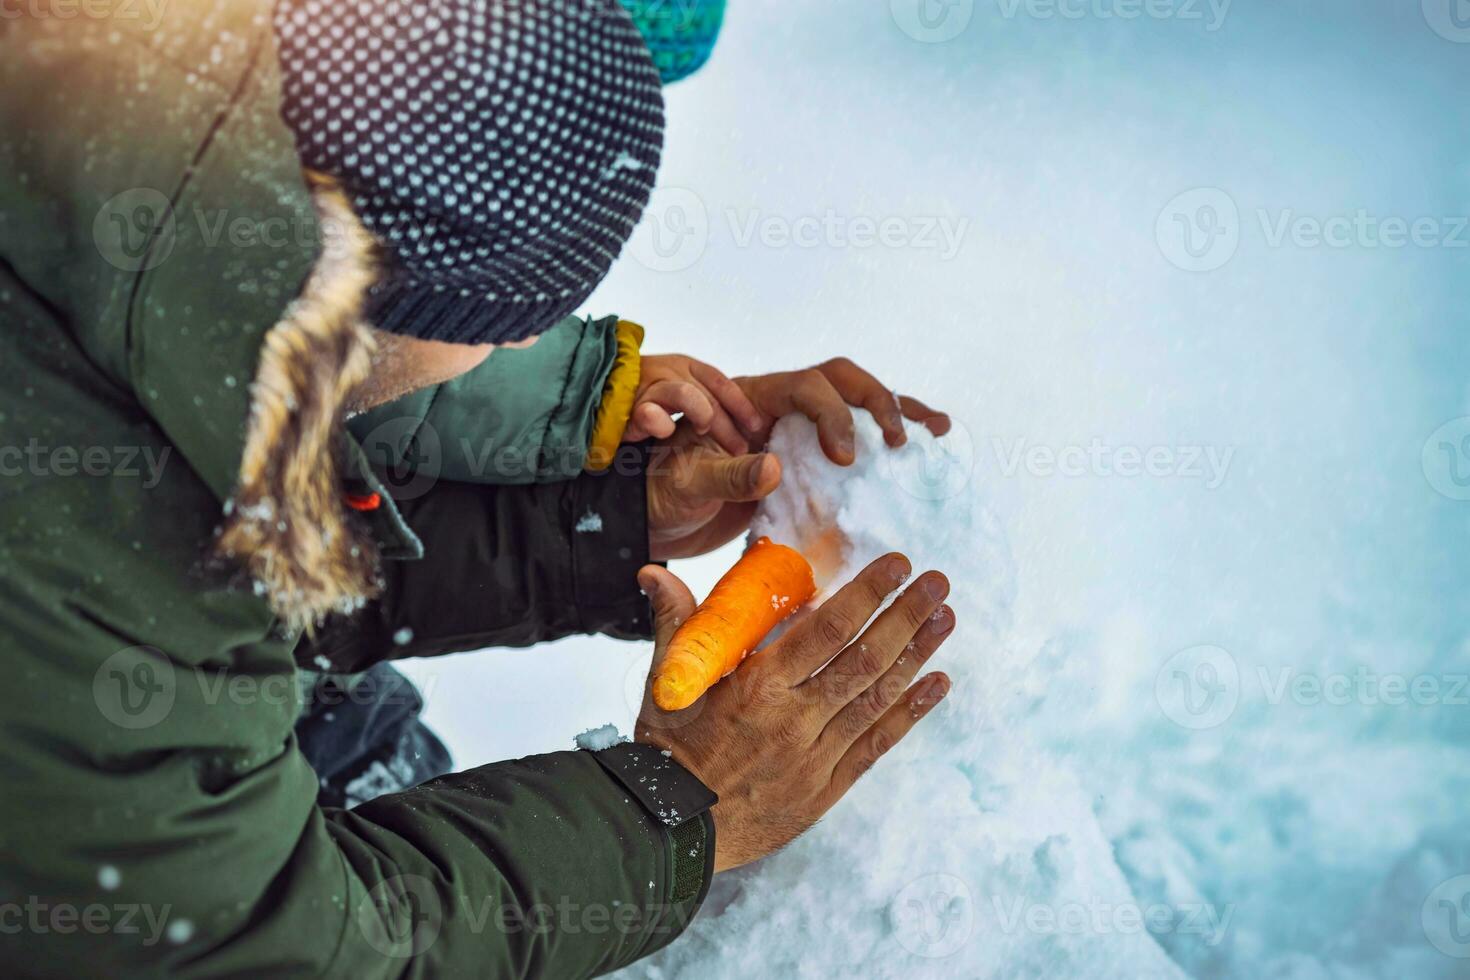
(680, 33)
(501, 151)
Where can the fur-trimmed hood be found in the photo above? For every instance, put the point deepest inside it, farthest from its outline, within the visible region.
(286, 521)
(215, 287)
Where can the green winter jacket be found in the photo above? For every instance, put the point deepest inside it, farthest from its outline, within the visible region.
(156, 816)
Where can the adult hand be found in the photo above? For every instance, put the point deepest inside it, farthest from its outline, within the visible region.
(826, 394)
(784, 737)
(670, 384)
(700, 496)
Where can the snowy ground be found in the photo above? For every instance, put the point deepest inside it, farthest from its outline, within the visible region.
(1236, 678)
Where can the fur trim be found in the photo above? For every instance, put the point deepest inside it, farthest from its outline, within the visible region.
(286, 523)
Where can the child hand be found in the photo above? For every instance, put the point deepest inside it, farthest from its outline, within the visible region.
(713, 404)
(824, 394)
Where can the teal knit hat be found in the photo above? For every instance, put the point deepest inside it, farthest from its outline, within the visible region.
(680, 33)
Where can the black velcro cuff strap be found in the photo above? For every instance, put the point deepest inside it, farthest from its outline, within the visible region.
(670, 793)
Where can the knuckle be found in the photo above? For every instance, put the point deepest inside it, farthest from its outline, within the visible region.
(868, 662)
(877, 586)
(914, 613)
(790, 730)
(878, 697)
(833, 629)
(881, 742)
(867, 709)
(841, 687)
(764, 693)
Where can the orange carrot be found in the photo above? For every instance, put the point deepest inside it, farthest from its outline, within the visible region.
(767, 584)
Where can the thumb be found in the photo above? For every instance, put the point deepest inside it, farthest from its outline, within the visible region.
(735, 478)
(672, 601)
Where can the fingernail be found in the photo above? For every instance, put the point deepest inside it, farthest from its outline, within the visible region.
(942, 621)
(846, 445)
(936, 587)
(899, 570)
(935, 690)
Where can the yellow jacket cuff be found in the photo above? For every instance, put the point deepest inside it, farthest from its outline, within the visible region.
(619, 392)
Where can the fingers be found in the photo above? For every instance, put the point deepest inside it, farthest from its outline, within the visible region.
(814, 396)
(683, 396)
(887, 732)
(819, 637)
(737, 479)
(662, 400)
(863, 711)
(858, 387)
(729, 395)
(859, 666)
(916, 411)
(648, 421)
(726, 436)
(807, 393)
(672, 602)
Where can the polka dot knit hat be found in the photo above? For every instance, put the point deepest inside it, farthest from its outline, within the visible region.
(502, 151)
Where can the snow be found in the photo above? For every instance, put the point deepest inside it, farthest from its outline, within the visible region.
(589, 523)
(992, 862)
(597, 739)
(1328, 838)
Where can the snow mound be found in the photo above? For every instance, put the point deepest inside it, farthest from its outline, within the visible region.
(968, 851)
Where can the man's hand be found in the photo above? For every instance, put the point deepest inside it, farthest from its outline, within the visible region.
(670, 384)
(824, 394)
(784, 737)
(703, 483)
(699, 496)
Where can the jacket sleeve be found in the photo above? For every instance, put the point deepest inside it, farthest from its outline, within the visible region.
(505, 566)
(558, 865)
(172, 830)
(522, 416)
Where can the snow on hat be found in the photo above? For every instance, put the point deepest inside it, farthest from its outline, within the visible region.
(502, 151)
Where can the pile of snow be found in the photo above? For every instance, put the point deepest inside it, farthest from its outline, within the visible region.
(969, 851)
(597, 739)
(1051, 819)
